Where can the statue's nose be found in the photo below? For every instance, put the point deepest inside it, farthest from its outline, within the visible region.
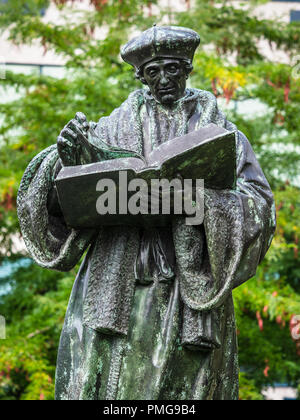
(163, 80)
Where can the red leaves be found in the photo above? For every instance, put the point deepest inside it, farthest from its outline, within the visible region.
(266, 371)
(286, 88)
(44, 45)
(214, 87)
(4, 374)
(99, 4)
(9, 202)
(266, 308)
(279, 119)
(228, 90)
(260, 321)
(280, 321)
(271, 84)
(228, 93)
(267, 368)
(279, 206)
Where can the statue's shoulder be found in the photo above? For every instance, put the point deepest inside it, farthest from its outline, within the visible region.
(136, 98)
(127, 111)
(204, 96)
(132, 103)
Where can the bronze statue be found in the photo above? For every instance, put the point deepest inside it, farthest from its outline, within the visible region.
(151, 313)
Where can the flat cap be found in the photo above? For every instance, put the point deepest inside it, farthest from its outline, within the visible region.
(161, 42)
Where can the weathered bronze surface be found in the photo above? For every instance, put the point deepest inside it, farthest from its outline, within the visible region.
(151, 313)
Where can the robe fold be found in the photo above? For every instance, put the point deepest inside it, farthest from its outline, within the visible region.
(151, 313)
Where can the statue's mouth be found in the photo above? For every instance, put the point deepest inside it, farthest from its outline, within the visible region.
(167, 91)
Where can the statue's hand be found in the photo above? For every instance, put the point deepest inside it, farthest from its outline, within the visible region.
(70, 141)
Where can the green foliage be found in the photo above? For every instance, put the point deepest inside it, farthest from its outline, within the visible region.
(233, 30)
(34, 312)
(231, 65)
(248, 390)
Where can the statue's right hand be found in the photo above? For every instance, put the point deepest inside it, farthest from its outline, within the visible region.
(68, 144)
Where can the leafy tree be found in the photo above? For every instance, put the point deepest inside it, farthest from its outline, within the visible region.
(34, 314)
(232, 66)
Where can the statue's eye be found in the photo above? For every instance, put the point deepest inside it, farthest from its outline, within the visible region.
(152, 72)
(172, 69)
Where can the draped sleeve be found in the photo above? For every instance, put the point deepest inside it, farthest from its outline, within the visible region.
(238, 229)
(47, 238)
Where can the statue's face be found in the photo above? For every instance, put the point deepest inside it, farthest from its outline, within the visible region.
(166, 79)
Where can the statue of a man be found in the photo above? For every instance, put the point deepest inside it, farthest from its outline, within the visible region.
(151, 313)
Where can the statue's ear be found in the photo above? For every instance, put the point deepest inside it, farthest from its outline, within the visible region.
(141, 78)
(139, 75)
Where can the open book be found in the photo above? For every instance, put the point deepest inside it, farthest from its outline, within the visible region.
(208, 154)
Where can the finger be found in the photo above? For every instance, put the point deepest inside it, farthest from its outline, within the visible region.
(81, 118)
(65, 151)
(68, 134)
(81, 135)
(63, 143)
(76, 127)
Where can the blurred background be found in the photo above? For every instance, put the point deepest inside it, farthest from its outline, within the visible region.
(58, 57)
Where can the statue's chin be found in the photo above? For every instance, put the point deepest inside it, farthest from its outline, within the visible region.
(168, 100)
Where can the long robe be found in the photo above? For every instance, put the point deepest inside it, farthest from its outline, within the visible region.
(151, 313)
